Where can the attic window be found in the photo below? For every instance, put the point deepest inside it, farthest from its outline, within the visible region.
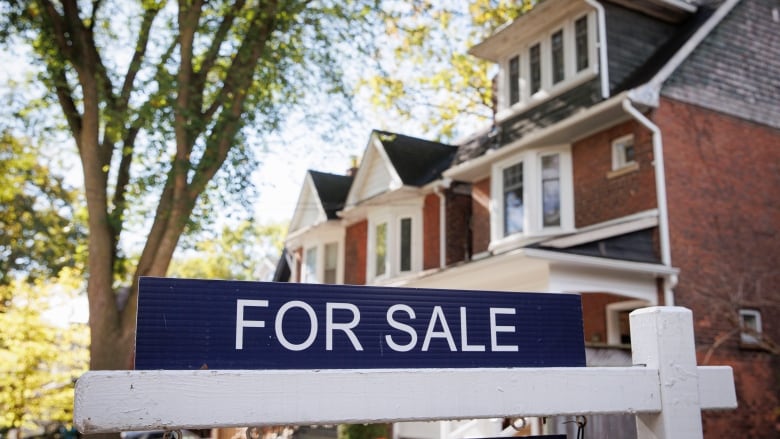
(549, 62)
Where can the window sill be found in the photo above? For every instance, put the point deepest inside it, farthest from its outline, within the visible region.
(629, 168)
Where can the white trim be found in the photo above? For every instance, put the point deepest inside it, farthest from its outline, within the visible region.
(392, 216)
(532, 197)
(584, 237)
(602, 47)
(593, 261)
(649, 93)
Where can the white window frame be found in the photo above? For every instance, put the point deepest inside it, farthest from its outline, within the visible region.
(392, 215)
(306, 277)
(613, 318)
(619, 160)
(333, 235)
(746, 338)
(572, 77)
(532, 197)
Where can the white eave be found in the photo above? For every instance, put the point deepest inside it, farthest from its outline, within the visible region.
(594, 261)
(581, 124)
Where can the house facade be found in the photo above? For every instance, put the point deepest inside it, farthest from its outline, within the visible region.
(634, 159)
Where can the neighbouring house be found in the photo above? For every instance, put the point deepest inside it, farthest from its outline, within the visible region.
(634, 159)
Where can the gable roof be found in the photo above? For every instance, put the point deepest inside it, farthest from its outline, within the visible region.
(332, 190)
(416, 161)
(321, 196)
(393, 160)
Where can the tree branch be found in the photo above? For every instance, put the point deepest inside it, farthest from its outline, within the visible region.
(138, 55)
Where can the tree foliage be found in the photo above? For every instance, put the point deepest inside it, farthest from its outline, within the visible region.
(161, 100)
(427, 75)
(238, 253)
(40, 219)
(39, 359)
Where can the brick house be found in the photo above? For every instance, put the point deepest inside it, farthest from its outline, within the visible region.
(634, 159)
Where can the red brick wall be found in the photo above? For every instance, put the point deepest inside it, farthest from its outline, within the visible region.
(355, 244)
(597, 197)
(723, 180)
(431, 228)
(594, 315)
(458, 227)
(480, 219)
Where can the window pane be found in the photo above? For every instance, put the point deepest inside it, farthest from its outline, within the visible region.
(331, 263)
(551, 190)
(581, 42)
(380, 249)
(514, 80)
(513, 199)
(535, 64)
(310, 266)
(556, 42)
(406, 244)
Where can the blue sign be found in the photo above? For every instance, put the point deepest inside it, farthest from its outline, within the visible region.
(211, 324)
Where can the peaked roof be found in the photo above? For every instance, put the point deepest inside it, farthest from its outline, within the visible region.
(332, 190)
(416, 161)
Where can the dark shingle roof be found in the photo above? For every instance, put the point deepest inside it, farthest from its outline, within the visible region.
(416, 161)
(332, 190)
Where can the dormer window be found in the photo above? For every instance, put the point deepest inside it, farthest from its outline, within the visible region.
(549, 62)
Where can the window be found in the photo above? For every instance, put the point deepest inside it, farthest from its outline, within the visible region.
(310, 266)
(558, 68)
(536, 194)
(581, 43)
(405, 262)
(331, 263)
(380, 249)
(750, 326)
(623, 154)
(514, 80)
(550, 62)
(551, 190)
(513, 199)
(394, 242)
(535, 66)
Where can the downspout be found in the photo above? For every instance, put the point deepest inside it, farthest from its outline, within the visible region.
(437, 189)
(670, 281)
(602, 46)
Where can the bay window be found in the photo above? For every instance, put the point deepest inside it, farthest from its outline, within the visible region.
(394, 243)
(536, 195)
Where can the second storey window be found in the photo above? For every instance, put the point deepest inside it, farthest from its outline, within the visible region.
(330, 270)
(380, 249)
(394, 243)
(536, 193)
(535, 66)
(581, 43)
(513, 199)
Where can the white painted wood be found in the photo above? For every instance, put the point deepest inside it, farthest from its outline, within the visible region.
(149, 400)
(665, 389)
(662, 339)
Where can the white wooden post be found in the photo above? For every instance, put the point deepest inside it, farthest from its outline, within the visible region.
(662, 339)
